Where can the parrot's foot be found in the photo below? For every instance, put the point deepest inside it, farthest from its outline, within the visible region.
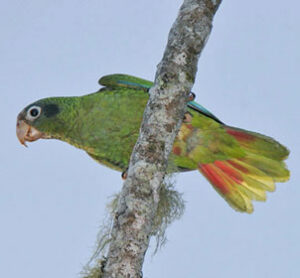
(124, 174)
(191, 96)
(187, 117)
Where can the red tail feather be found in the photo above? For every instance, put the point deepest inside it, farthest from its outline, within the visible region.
(240, 135)
(209, 172)
(238, 166)
(231, 172)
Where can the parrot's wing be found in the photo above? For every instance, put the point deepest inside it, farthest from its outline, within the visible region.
(241, 165)
(129, 81)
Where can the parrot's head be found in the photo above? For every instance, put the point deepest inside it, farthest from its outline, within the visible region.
(41, 119)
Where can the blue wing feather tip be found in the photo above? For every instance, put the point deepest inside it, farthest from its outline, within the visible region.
(132, 84)
(198, 107)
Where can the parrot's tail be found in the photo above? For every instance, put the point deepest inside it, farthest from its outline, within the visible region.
(241, 180)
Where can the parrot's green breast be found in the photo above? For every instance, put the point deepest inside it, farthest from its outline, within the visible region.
(108, 125)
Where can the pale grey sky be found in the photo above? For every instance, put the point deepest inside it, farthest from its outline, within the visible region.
(53, 196)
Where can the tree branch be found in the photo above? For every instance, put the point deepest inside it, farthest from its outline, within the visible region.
(161, 122)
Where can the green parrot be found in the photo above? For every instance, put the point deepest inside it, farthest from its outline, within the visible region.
(241, 165)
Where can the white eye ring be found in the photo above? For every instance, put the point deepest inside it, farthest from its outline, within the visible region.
(33, 112)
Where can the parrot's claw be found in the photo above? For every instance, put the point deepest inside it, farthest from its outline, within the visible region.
(191, 96)
(124, 174)
(187, 117)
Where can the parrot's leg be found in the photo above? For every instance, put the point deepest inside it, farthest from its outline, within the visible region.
(187, 117)
(124, 174)
(192, 96)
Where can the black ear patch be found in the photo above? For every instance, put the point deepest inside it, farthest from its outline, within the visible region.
(50, 110)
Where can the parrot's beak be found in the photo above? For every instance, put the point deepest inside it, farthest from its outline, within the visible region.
(25, 132)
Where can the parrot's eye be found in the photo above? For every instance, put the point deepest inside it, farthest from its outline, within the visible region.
(33, 112)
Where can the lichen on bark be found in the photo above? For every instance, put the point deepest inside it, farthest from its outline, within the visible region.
(170, 208)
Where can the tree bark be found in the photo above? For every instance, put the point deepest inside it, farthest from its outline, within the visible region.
(162, 119)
